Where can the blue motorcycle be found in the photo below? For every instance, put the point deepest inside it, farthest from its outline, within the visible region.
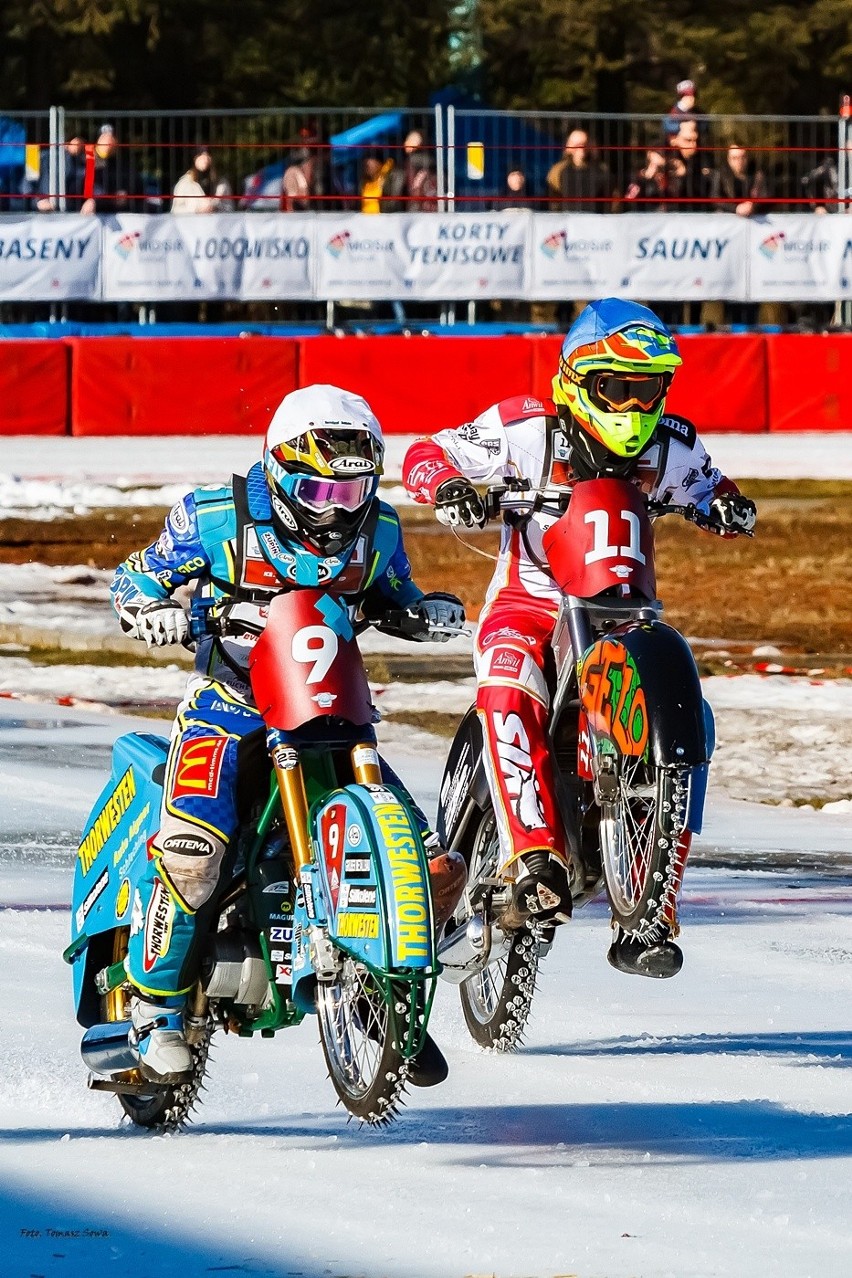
(327, 907)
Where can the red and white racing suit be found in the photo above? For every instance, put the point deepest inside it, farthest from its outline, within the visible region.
(523, 438)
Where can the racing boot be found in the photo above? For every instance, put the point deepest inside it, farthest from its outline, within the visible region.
(660, 959)
(540, 893)
(447, 880)
(158, 1036)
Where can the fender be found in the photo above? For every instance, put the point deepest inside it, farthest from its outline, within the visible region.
(639, 688)
(369, 883)
(464, 779)
(111, 856)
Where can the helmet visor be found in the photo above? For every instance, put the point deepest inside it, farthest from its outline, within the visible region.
(616, 394)
(325, 494)
(354, 452)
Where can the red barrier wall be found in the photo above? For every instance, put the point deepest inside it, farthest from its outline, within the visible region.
(179, 386)
(810, 381)
(186, 385)
(33, 388)
(417, 385)
(720, 387)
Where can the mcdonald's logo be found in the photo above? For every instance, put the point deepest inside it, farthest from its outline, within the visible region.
(198, 767)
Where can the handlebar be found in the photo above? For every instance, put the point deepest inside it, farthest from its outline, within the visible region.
(532, 500)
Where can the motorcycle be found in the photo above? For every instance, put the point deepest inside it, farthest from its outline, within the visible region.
(630, 736)
(326, 908)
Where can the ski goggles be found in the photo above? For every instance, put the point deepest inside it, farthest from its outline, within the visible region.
(616, 394)
(323, 494)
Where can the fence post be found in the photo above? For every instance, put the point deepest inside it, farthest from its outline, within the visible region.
(55, 156)
(440, 156)
(843, 178)
(451, 159)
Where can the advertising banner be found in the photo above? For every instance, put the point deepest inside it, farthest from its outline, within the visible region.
(439, 257)
(574, 256)
(465, 256)
(458, 256)
(681, 256)
(802, 258)
(48, 257)
(243, 256)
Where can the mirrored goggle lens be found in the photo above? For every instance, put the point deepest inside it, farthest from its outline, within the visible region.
(622, 393)
(320, 494)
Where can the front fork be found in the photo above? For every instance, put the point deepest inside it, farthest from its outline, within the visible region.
(290, 778)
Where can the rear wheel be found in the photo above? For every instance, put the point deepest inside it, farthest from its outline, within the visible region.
(360, 1035)
(644, 844)
(168, 1106)
(496, 1001)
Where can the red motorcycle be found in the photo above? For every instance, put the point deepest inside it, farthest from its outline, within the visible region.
(630, 735)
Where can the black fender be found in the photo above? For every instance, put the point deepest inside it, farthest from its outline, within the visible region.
(668, 678)
(464, 781)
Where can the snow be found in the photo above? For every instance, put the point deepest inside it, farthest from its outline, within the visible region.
(695, 1127)
(690, 1128)
(46, 477)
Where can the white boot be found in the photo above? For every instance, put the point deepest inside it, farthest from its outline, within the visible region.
(158, 1036)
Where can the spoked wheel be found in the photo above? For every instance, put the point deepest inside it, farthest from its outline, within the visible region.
(644, 844)
(166, 1107)
(359, 1037)
(496, 1001)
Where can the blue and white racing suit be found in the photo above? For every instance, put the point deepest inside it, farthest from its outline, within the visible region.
(223, 540)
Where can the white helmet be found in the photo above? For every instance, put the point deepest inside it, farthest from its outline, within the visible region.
(322, 457)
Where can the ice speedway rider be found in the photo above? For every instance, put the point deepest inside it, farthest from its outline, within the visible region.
(606, 418)
(306, 515)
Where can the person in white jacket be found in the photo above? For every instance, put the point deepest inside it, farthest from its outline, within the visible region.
(606, 418)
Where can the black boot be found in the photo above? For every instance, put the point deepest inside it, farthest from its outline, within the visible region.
(540, 893)
(659, 959)
(428, 1068)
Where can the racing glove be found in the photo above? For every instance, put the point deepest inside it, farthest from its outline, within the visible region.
(458, 502)
(729, 514)
(443, 616)
(162, 621)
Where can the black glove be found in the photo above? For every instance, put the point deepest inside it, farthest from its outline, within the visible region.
(458, 502)
(730, 513)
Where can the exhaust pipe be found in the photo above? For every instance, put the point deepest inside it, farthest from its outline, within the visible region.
(106, 1049)
(469, 949)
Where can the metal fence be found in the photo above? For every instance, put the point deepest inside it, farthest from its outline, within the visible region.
(802, 159)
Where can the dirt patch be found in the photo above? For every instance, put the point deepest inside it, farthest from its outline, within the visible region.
(790, 586)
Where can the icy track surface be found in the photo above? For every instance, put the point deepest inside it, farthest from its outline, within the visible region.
(694, 1127)
(43, 478)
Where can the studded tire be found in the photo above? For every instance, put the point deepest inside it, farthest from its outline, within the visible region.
(166, 1107)
(360, 1035)
(644, 843)
(496, 1001)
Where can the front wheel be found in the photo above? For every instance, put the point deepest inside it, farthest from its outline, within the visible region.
(360, 1034)
(644, 845)
(496, 1001)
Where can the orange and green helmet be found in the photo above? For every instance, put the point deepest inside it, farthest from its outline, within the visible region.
(615, 369)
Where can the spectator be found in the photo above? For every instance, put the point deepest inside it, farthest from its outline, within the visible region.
(297, 182)
(515, 195)
(822, 184)
(76, 201)
(199, 190)
(117, 185)
(647, 190)
(374, 173)
(689, 180)
(412, 186)
(685, 106)
(739, 183)
(584, 185)
(554, 175)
